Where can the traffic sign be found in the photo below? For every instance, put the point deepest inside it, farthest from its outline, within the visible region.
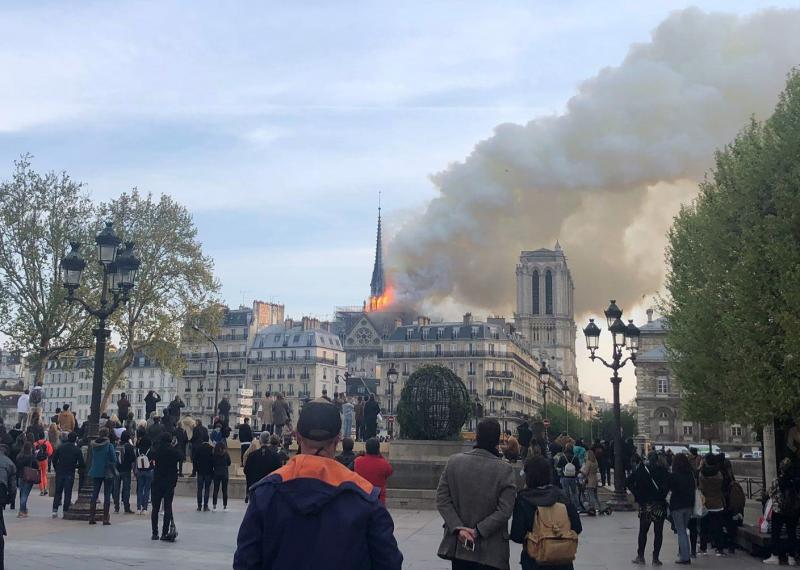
(245, 402)
(546, 423)
(246, 392)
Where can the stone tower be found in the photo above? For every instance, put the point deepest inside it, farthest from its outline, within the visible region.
(545, 313)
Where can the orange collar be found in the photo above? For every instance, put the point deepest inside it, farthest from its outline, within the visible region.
(327, 470)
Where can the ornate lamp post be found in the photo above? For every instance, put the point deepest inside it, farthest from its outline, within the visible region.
(565, 389)
(591, 422)
(210, 339)
(580, 409)
(120, 267)
(623, 337)
(544, 378)
(392, 376)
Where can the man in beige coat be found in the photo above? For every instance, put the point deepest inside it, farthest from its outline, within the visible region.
(266, 413)
(475, 497)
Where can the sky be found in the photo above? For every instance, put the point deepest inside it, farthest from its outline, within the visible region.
(277, 123)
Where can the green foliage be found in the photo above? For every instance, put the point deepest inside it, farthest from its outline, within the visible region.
(39, 215)
(601, 428)
(734, 276)
(434, 404)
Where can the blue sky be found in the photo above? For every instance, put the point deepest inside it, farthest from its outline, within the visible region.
(277, 123)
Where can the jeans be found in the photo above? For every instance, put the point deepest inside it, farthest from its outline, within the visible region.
(64, 483)
(681, 519)
(347, 426)
(788, 546)
(220, 481)
(694, 527)
(711, 530)
(658, 531)
(203, 489)
(107, 485)
(570, 487)
(594, 502)
(22, 419)
(24, 492)
(123, 483)
(245, 446)
(165, 495)
(144, 479)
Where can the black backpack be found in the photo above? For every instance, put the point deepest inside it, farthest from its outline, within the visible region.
(41, 452)
(35, 397)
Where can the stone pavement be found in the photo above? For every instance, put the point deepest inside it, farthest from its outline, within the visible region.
(207, 540)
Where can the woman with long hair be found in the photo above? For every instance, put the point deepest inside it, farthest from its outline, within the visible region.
(221, 461)
(25, 458)
(589, 470)
(681, 503)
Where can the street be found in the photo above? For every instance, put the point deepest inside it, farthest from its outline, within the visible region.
(207, 540)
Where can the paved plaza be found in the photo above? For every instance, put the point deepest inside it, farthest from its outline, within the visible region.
(207, 540)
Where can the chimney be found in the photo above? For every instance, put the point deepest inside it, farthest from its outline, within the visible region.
(398, 323)
(288, 324)
(467, 319)
(423, 321)
(649, 315)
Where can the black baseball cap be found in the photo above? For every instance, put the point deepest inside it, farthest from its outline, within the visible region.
(319, 420)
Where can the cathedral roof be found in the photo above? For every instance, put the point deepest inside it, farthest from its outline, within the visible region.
(655, 326)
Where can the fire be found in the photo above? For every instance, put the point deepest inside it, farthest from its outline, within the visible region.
(382, 302)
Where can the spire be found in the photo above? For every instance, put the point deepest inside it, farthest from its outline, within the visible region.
(378, 283)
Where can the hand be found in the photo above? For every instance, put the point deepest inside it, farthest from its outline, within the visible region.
(465, 534)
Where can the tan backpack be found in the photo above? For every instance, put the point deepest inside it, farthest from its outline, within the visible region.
(552, 541)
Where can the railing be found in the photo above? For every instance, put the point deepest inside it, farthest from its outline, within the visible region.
(232, 354)
(271, 361)
(753, 487)
(304, 394)
(499, 374)
(231, 337)
(305, 376)
(194, 373)
(257, 377)
(435, 354)
(500, 393)
(238, 372)
(196, 355)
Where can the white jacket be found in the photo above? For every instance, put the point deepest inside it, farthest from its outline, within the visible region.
(23, 404)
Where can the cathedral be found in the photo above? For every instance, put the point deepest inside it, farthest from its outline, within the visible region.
(545, 314)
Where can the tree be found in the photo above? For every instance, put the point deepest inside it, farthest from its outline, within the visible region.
(175, 281)
(39, 215)
(733, 283)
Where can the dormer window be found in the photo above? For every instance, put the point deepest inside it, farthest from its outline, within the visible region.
(409, 333)
(474, 332)
(456, 331)
(440, 332)
(425, 334)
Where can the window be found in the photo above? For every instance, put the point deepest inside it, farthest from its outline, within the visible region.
(662, 386)
(439, 332)
(736, 431)
(548, 293)
(272, 355)
(491, 349)
(473, 332)
(438, 350)
(307, 355)
(425, 334)
(535, 290)
(296, 339)
(283, 355)
(277, 338)
(688, 429)
(293, 355)
(456, 331)
(471, 368)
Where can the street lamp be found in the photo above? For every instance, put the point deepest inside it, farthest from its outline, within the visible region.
(544, 378)
(210, 339)
(591, 422)
(565, 389)
(119, 277)
(623, 337)
(392, 376)
(580, 408)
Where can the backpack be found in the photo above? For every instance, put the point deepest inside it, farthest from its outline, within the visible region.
(41, 452)
(142, 462)
(569, 469)
(35, 397)
(737, 498)
(552, 541)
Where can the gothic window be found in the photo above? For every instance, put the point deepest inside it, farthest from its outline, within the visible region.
(548, 293)
(535, 289)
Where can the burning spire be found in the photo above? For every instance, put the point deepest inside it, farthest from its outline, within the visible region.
(379, 296)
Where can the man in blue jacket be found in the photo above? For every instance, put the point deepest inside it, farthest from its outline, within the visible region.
(314, 512)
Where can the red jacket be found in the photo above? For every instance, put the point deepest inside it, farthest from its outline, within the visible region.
(376, 470)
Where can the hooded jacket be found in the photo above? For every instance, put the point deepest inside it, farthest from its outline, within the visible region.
(528, 501)
(102, 454)
(316, 513)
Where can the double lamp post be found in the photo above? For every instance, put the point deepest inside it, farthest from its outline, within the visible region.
(120, 266)
(623, 336)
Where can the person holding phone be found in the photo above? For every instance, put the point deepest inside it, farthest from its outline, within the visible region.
(475, 497)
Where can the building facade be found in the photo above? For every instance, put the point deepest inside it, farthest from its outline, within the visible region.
(298, 360)
(660, 417)
(545, 313)
(494, 363)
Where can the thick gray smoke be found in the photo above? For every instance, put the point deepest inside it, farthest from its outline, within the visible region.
(606, 176)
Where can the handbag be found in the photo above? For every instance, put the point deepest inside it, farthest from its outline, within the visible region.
(31, 475)
(699, 510)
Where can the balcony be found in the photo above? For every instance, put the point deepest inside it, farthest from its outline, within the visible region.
(234, 354)
(434, 354)
(305, 376)
(500, 393)
(499, 374)
(196, 355)
(232, 337)
(194, 373)
(257, 377)
(239, 372)
(304, 394)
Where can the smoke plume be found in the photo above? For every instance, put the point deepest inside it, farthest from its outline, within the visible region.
(606, 176)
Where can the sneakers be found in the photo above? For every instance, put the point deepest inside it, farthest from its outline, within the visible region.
(773, 560)
(54, 515)
(639, 561)
(657, 562)
(155, 536)
(215, 508)
(225, 508)
(683, 562)
(199, 509)
(702, 552)
(720, 552)
(205, 508)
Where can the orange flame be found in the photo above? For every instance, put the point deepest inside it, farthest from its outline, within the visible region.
(382, 302)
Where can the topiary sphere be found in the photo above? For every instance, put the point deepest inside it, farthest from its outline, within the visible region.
(434, 404)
